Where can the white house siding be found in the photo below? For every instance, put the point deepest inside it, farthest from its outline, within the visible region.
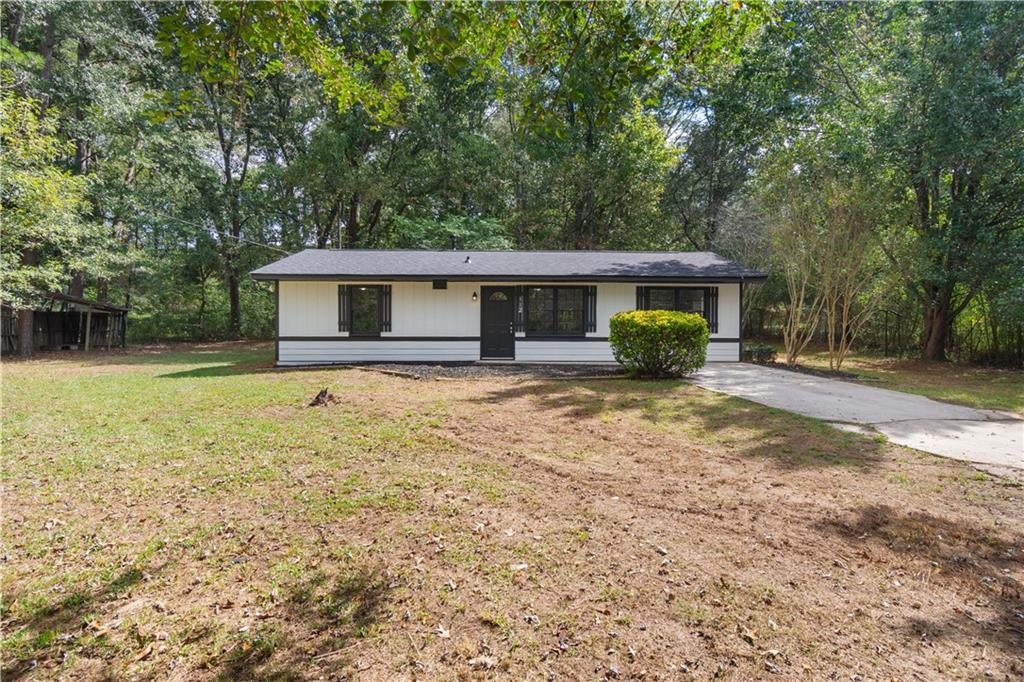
(599, 351)
(343, 350)
(728, 313)
(530, 350)
(611, 299)
(445, 325)
(308, 309)
(417, 309)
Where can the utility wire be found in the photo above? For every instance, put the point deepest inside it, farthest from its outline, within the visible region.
(206, 229)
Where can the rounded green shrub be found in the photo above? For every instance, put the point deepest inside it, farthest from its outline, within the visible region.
(659, 343)
(761, 353)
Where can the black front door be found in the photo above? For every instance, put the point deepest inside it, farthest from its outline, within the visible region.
(497, 313)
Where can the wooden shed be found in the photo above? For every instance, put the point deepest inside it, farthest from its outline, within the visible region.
(68, 322)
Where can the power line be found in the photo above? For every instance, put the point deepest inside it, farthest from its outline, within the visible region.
(206, 229)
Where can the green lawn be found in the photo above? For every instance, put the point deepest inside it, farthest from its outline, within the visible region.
(180, 513)
(984, 387)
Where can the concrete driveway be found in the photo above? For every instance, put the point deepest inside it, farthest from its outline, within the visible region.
(981, 436)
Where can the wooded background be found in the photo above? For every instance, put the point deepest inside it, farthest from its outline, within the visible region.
(869, 156)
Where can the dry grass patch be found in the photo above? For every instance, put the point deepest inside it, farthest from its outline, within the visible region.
(179, 515)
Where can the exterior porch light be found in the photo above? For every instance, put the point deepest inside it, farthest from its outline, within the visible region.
(474, 296)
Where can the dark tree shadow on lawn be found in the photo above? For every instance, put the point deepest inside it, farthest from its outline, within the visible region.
(327, 615)
(249, 660)
(224, 370)
(745, 428)
(63, 617)
(971, 556)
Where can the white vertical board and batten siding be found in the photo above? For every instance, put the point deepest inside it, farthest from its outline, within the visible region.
(308, 318)
(417, 309)
(308, 309)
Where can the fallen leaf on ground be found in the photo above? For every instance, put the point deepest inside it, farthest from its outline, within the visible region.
(483, 662)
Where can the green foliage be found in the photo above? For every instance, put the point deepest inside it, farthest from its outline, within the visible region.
(468, 233)
(954, 140)
(197, 311)
(44, 226)
(919, 103)
(659, 343)
(566, 54)
(760, 353)
(190, 142)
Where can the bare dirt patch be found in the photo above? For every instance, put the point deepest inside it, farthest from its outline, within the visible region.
(504, 528)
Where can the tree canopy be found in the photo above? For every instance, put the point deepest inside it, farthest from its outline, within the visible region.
(155, 153)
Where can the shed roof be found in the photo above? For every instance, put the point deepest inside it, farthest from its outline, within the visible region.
(372, 264)
(87, 303)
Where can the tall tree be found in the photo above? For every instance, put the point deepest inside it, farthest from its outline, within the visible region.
(954, 136)
(44, 221)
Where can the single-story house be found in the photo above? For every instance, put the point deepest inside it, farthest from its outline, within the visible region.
(338, 306)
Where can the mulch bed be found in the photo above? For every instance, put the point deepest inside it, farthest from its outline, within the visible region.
(490, 371)
(815, 371)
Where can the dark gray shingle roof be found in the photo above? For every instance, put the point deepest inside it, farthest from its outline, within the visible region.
(505, 265)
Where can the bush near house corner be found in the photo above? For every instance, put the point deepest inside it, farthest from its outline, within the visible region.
(761, 353)
(659, 343)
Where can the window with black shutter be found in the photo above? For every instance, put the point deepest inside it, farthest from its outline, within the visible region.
(385, 308)
(711, 308)
(520, 311)
(591, 321)
(344, 309)
(703, 301)
(556, 311)
(364, 310)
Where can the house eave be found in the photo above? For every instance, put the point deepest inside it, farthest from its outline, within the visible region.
(269, 277)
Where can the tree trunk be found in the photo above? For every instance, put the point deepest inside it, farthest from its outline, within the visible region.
(14, 24)
(46, 49)
(234, 297)
(76, 287)
(26, 316)
(202, 308)
(235, 309)
(26, 329)
(352, 224)
(936, 327)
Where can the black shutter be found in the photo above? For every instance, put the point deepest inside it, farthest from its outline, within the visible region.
(641, 298)
(591, 309)
(385, 308)
(711, 308)
(520, 316)
(344, 308)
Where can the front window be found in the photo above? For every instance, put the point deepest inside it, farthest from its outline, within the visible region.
(554, 311)
(661, 299)
(366, 311)
(686, 300)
